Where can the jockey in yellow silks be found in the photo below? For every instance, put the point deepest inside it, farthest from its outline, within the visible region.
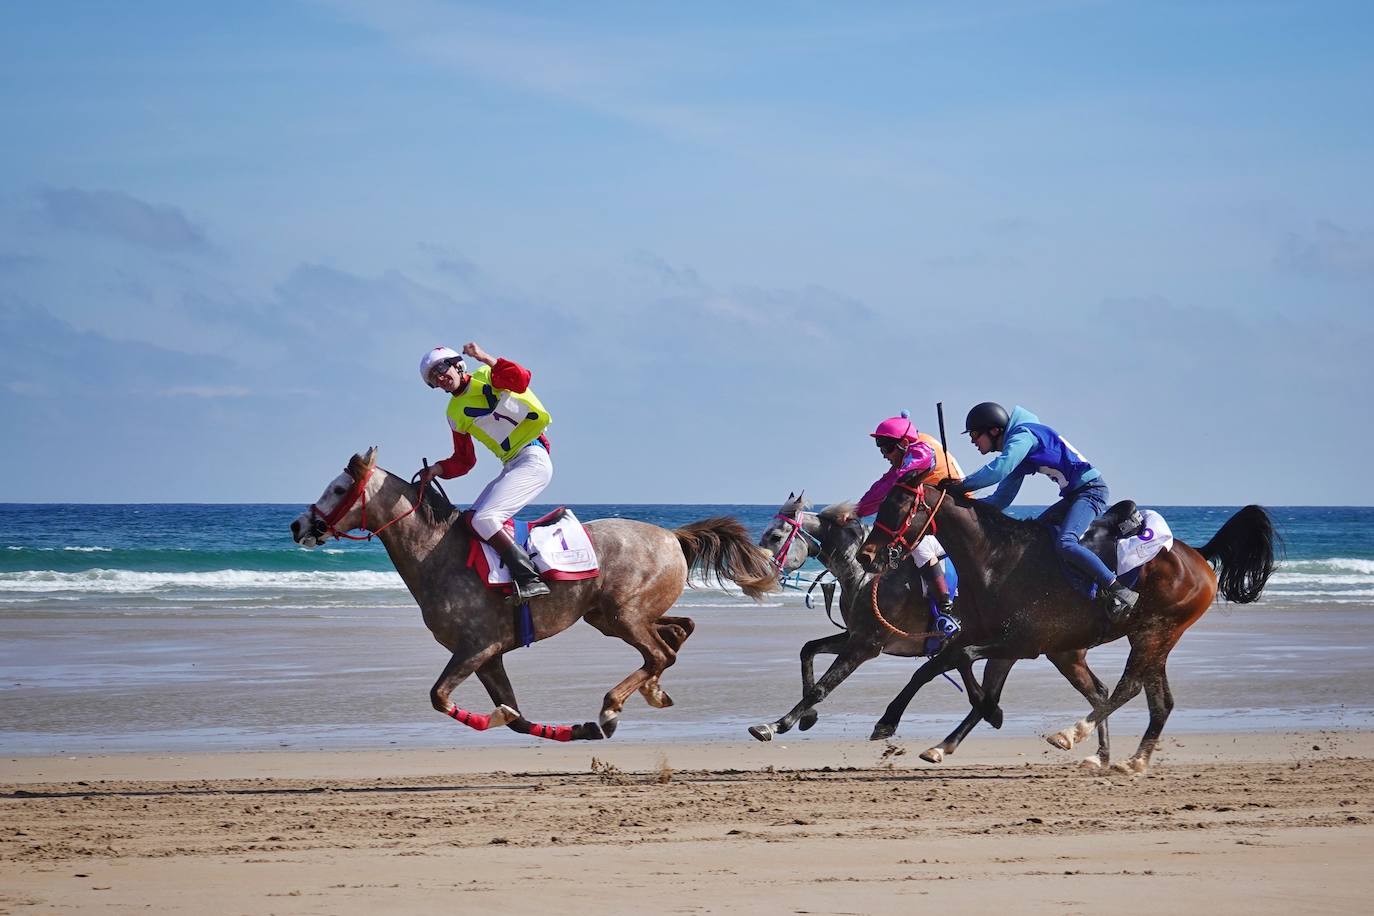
(495, 406)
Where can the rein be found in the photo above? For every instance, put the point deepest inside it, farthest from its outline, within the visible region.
(780, 558)
(358, 490)
(899, 545)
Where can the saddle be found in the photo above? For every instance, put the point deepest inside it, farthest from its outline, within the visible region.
(1125, 538)
(560, 547)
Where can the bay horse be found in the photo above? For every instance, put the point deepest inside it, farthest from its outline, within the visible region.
(834, 536)
(643, 570)
(1015, 601)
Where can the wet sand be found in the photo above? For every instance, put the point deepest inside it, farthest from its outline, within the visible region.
(1269, 822)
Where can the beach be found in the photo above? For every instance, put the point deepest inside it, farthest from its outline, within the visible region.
(1274, 822)
(192, 727)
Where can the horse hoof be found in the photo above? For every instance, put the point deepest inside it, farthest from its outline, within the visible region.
(993, 716)
(609, 722)
(587, 731)
(762, 732)
(1091, 765)
(502, 715)
(934, 755)
(1133, 767)
(808, 719)
(881, 732)
(1061, 740)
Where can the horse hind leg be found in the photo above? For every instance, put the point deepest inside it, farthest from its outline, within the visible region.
(658, 656)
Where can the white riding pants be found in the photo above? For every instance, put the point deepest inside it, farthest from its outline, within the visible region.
(927, 550)
(522, 479)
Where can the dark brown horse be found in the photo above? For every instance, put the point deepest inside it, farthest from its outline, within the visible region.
(1015, 601)
(644, 569)
(834, 536)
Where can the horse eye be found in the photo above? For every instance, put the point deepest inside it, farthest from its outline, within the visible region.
(338, 491)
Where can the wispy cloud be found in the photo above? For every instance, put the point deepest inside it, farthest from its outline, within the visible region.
(115, 214)
(1330, 250)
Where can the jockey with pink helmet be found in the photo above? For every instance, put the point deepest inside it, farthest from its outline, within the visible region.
(906, 450)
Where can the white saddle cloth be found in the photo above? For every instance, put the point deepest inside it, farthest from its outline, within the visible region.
(1143, 546)
(561, 550)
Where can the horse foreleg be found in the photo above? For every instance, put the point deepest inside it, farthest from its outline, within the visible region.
(851, 656)
(830, 645)
(1161, 700)
(1074, 666)
(1130, 684)
(947, 658)
(493, 677)
(994, 678)
(457, 671)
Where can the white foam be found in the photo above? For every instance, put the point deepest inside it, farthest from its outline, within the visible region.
(126, 581)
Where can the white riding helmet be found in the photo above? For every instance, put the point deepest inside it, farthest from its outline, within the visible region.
(433, 358)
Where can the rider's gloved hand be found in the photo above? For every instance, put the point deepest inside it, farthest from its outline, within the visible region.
(426, 474)
(951, 483)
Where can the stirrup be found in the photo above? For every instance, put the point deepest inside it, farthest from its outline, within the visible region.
(1119, 599)
(522, 592)
(947, 624)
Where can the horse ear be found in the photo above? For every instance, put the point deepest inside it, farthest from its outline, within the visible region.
(370, 459)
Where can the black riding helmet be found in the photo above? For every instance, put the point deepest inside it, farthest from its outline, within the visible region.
(986, 416)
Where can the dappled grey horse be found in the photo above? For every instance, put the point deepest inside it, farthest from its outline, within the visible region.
(643, 570)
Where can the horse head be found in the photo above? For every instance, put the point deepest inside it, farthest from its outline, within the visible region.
(903, 519)
(781, 539)
(342, 505)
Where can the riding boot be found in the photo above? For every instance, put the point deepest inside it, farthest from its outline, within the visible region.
(1118, 599)
(945, 621)
(524, 576)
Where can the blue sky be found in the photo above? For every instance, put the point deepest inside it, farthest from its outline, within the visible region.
(726, 238)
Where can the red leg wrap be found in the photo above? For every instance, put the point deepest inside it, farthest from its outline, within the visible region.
(554, 732)
(471, 719)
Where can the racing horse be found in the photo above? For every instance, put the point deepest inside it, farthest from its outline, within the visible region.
(833, 536)
(1016, 602)
(643, 570)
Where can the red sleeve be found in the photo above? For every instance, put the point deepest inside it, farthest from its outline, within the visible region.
(510, 376)
(463, 459)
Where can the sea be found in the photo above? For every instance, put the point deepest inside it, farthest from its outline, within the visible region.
(159, 628)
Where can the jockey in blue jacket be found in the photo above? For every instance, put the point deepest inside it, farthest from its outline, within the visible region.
(1027, 447)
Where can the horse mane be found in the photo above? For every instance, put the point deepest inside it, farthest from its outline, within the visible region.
(997, 523)
(834, 512)
(434, 508)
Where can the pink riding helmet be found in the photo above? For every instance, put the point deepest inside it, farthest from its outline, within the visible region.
(899, 427)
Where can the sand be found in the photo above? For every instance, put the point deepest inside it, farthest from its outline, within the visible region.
(1259, 822)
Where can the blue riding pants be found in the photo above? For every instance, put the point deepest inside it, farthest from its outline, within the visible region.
(1069, 518)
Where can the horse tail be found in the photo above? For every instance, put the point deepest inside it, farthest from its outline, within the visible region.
(722, 547)
(1242, 553)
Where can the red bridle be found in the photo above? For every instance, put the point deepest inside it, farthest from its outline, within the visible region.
(899, 542)
(358, 490)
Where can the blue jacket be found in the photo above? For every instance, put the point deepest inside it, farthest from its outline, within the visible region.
(1030, 447)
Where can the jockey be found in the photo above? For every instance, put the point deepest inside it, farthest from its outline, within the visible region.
(495, 405)
(907, 449)
(1030, 447)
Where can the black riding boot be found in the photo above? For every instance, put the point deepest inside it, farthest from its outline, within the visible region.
(1118, 599)
(523, 574)
(945, 621)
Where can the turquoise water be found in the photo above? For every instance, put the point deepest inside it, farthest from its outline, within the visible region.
(186, 555)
